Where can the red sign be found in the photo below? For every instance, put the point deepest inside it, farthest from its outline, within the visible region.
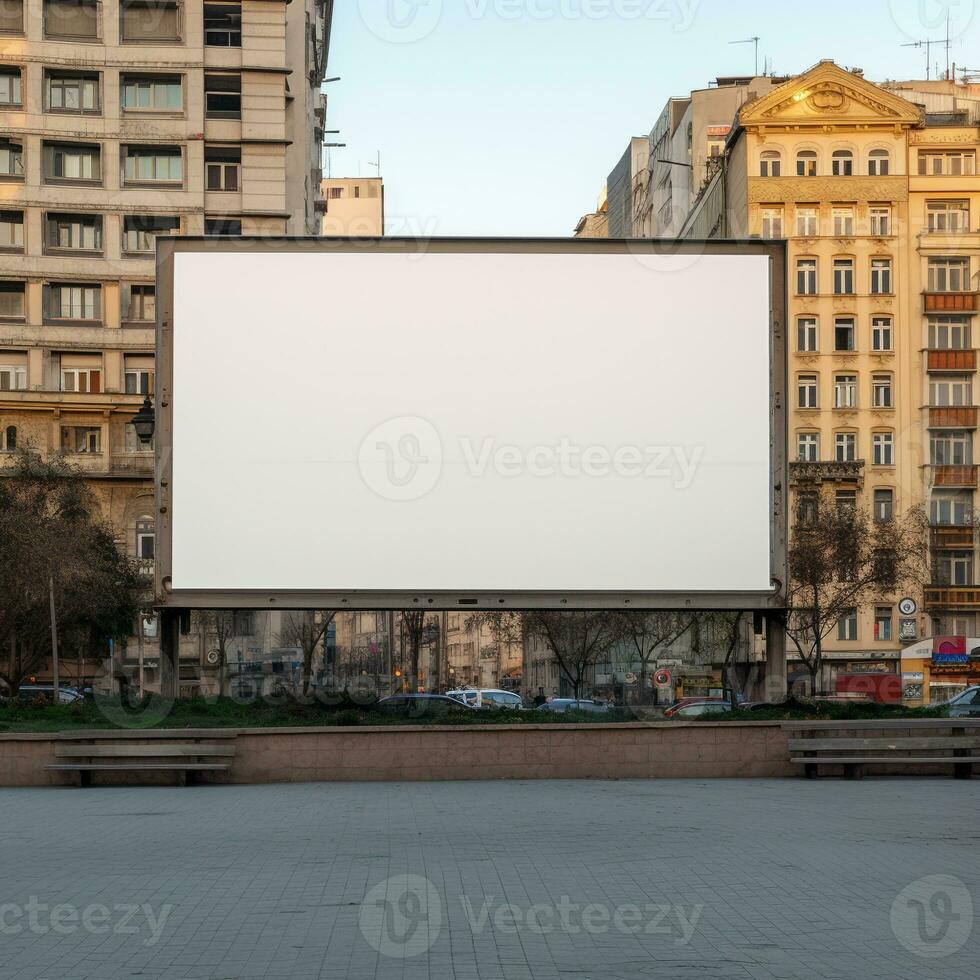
(952, 645)
(662, 677)
(719, 130)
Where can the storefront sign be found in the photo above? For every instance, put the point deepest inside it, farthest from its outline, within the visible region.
(717, 131)
(915, 677)
(869, 667)
(949, 650)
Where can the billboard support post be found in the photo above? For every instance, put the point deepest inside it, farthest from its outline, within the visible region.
(169, 660)
(776, 670)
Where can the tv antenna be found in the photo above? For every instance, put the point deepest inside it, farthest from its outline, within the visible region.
(927, 44)
(375, 163)
(755, 41)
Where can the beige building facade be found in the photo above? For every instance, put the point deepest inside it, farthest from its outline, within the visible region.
(121, 121)
(353, 207)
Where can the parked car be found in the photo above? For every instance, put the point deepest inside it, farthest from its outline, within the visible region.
(965, 705)
(415, 705)
(488, 698)
(697, 709)
(45, 692)
(560, 705)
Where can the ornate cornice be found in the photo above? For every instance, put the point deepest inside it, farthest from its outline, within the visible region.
(814, 190)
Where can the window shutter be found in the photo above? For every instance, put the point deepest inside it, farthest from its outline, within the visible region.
(125, 301)
(95, 382)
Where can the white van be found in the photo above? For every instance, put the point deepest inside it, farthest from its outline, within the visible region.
(489, 698)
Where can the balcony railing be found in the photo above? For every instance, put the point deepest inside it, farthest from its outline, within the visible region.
(952, 360)
(952, 536)
(955, 476)
(951, 597)
(953, 417)
(826, 472)
(951, 302)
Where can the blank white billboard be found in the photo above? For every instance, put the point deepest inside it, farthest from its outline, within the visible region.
(465, 421)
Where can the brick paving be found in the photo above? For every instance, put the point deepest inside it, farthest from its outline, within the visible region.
(474, 881)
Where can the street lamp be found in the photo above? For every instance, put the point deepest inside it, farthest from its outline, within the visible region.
(145, 422)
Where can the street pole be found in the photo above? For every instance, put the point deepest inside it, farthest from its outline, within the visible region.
(54, 641)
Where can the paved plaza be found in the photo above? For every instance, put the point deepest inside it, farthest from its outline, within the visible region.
(550, 880)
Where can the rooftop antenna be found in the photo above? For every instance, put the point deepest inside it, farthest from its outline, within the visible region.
(755, 41)
(927, 44)
(376, 163)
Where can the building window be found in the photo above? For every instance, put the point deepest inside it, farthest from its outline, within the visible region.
(222, 96)
(9, 85)
(883, 623)
(72, 161)
(222, 167)
(73, 302)
(140, 232)
(845, 391)
(73, 19)
(806, 163)
(149, 21)
(12, 230)
(770, 164)
(82, 380)
(883, 449)
(8, 439)
(227, 227)
(845, 447)
(77, 232)
(949, 333)
(844, 277)
(772, 222)
(957, 163)
(844, 334)
(160, 93)
(139, 381)
(881, 220)
(947, 217)
(881, 333)
(807, 334)
(951, 449)
(807, 222)
(879, 163)
(12, 300)
(242, 623)
(81, 439)
(843, 222)
(884, 505)
(71, 92)
(949, 275)
(954, 568)
(807, 391)
(153, 165)
(951, 509)
(843, 163)
(13, 377)
(847, 626)
(955, 391)
(11, 159)
(145, 538)
(881, 277)
(223, 25)
(881, 390)
(11, 16)
(806, 277)
(807, 507)
(140, 304)
(808, 447)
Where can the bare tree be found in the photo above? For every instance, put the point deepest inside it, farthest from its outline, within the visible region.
(841, 559)
(219, 624)
(648, 633)
(412, 628)
(305, 630)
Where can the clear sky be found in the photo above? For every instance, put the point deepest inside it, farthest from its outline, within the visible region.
(504, 117)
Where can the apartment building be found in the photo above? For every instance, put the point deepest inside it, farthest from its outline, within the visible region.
(121, 121)
(621, 187)
(353, 206)
(875, 189)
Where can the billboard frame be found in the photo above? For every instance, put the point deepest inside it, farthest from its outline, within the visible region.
(771, 601)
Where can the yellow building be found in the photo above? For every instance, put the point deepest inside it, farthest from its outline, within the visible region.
(353, 206)
(875, 189)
